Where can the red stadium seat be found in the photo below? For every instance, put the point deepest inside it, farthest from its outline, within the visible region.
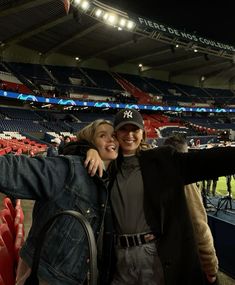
(1, 280)
(7, 238)
(7, 268)
(9, 205)
(5, 217)
(19, 151)
(19, 218)
(18, 203)
(19, 240)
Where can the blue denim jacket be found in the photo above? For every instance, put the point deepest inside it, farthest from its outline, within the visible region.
(58, 183)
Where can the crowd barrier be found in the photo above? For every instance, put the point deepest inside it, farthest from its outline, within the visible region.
(224, 240)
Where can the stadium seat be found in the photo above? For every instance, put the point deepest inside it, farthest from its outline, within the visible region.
(7, 238)
(7, 269)
(1, 280)
(19, 240)
(19, 218)
(9, 205)
(18, 203)
(5, 217)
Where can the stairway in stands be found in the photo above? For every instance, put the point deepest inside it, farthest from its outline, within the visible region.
(142, 97)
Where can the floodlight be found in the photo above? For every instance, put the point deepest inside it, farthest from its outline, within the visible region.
(106, 15)
(77, 2)
(122, 22)
(85, 5)
(130, 25)
(112, 19)
(98, 13)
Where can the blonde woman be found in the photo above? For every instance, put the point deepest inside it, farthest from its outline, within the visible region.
(60, 183)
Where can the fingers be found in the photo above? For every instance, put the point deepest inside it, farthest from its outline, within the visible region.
(92, 154)
(86, 162)
(92, 168)
(93, 163)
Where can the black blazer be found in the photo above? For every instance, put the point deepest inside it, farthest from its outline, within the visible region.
(165, 172)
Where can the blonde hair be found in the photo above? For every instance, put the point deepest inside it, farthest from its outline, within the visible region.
(88, 132)
(143, 144)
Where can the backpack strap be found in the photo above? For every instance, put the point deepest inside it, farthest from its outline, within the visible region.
(92, 276)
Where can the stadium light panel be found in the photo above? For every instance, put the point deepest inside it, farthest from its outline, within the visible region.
(112, 19)
(85, 5)
(122, 22)
(77, 2)
(105, 17)
(130, 25)
(98, 13)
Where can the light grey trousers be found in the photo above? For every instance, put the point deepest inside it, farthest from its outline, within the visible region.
(138, 265)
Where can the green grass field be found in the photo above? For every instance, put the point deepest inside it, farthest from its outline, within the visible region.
(221, 188)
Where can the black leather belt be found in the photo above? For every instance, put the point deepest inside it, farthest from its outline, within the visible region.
(134, 240)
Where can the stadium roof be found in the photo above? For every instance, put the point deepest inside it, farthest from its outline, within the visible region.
(205, 18)
(44, 26)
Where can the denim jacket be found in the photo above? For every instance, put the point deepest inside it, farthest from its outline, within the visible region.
(58, 183)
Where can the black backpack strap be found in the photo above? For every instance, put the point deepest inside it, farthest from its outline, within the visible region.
(92, 276)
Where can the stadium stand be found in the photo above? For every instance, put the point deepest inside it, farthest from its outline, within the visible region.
(29, 128)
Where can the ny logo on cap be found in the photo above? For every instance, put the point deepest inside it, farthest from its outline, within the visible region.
(127, 114)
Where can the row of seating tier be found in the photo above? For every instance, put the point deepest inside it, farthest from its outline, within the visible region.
(74, 80)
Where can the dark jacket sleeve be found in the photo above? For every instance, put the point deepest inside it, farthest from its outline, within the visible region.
(33, 178)
(206, 164)
(193, 166)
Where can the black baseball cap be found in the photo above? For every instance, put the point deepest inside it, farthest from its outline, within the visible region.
(128, 116)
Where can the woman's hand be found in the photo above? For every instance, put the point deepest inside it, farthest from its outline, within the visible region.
(94, 162)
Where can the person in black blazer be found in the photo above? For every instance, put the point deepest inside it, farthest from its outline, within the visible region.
(154, 238)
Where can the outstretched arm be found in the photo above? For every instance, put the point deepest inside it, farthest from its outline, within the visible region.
(33, 178)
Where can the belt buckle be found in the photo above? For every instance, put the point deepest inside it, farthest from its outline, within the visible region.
(127, 241)
(134, 240)
(123, 241)
(139, 241)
